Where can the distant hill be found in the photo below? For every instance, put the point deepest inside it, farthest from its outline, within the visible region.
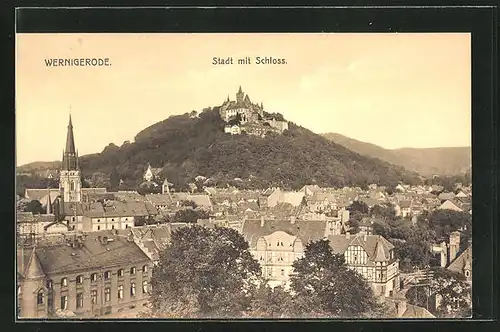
(39, 166)
(187, 147)
(427, 162)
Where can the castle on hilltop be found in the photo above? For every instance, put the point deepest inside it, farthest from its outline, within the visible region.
(243, 116)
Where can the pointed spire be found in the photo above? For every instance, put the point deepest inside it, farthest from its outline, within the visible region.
(70, 140)
(240, 91)
(69, 154)
(77, 166)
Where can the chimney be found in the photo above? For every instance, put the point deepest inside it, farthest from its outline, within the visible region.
(454, 245)
(444, 258)
(348, 235)
(262, 221)
(365, 237)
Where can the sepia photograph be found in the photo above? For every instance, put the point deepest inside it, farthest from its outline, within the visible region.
(243, 176)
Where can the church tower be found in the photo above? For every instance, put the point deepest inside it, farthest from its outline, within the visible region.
(239, 96)
(70, 183)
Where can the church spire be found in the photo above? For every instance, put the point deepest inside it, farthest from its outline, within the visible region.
(69, 155)
(70, 140)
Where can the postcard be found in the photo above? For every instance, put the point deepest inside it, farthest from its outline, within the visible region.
(243, 175)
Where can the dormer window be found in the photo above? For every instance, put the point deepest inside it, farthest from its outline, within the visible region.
(64, 282)
(107, 275)
(120, 272)
(145, 268)
(79, 279)
(132, 270)
(93, 277)
(467, 273)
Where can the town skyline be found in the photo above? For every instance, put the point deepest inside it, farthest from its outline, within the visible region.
(109, 102)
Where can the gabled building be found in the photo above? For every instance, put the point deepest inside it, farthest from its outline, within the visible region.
(276, 244)
(372, 256)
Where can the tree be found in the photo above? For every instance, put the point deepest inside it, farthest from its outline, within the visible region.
(359, 206)
(272, 303)
(114, 179)
(452, 291)
(204, 272)
(99, 180)
(444, 222)
(326, 287)
(190, 215)
(190, 203)
(34, 207)
(385, 211)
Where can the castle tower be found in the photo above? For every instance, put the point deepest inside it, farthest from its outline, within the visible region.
(239, 96)
(70, 183)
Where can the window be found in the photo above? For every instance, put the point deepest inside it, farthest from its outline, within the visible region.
(132, 289)
(73, 219)
(79, 279)
(93, 297)
(98, 220)
(112, 219)
(120, 292)
(98, 228)
(93, 277)
(64, 302)
(120, 272)
(112, 226)
(467, 273)
(79, 300)
(39, 297)
(49, 284)
(282, 272)
(270, 272)
(132, 270)
(107, 275)
(145, 286)
(107, 294)
(64, 282)
(145, 268)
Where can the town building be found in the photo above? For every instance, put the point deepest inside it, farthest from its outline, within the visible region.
(276, 244)
(372, 256)
(88, 275)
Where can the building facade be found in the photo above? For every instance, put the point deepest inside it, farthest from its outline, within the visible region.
(93, 275)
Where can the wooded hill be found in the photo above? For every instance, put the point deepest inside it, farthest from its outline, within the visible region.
(188, 147)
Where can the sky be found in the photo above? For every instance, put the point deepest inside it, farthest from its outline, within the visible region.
(391, 89)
